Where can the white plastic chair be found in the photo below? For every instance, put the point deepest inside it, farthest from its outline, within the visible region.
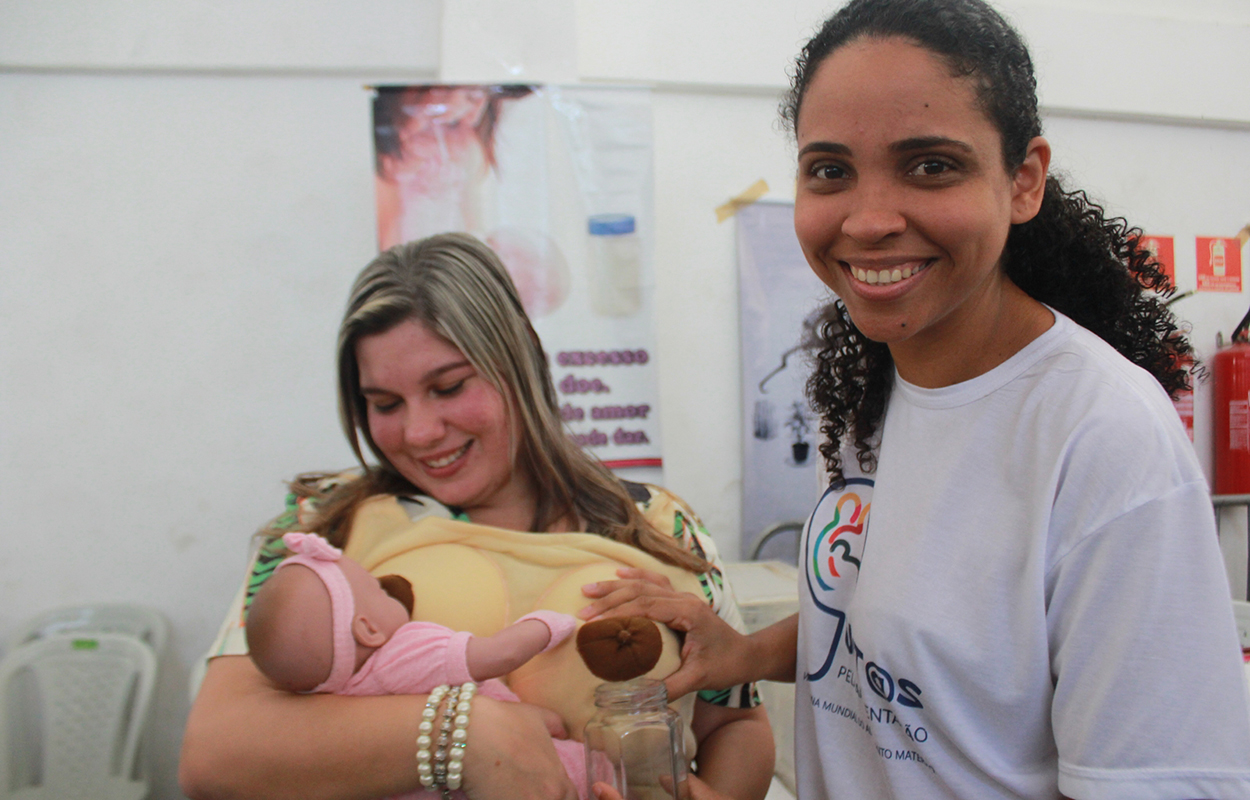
(137, 621)
(73, 710)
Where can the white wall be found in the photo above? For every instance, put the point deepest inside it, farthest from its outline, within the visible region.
(185, 195)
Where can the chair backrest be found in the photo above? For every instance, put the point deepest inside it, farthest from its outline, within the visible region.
(72, 713)
(137, 621)
(779, 542)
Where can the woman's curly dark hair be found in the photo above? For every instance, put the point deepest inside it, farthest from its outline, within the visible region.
(1071, 256)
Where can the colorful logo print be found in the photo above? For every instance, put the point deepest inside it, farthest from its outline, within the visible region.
(833, 552)
(838, 545)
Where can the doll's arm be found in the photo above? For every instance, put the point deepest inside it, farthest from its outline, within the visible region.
(494, 656)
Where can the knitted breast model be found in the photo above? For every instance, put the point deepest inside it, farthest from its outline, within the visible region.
(479, 579)
(619, 648)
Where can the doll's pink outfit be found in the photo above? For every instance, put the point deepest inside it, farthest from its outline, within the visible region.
(419, 657)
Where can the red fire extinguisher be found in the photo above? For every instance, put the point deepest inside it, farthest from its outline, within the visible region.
(1232, 413)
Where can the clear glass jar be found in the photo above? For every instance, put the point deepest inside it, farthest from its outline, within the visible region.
(634, 742)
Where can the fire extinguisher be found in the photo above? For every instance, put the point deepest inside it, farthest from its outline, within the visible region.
(1232, 413)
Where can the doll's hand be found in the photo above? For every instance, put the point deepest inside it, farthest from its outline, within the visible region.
(534, 633)
(559, 625)
(554, 723)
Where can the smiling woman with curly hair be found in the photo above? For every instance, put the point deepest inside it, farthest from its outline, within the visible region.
(1012, 587)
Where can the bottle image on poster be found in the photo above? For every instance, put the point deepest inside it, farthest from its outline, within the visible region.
(615, 267)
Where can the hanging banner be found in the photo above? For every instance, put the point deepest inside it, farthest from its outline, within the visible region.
(779, 309)
(558, 181)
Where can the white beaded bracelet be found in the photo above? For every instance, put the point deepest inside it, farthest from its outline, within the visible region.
(460, 735)
(425, 767)
(443, 744)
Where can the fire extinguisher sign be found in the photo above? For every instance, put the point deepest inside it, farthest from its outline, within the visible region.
(1162, 250)
(1219, 264)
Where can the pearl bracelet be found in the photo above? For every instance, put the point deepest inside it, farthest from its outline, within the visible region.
(453, 738)
(460, 736)
(425, 767)
(444, 740)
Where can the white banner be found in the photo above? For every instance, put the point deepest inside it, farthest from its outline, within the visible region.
(559, 182)
(778, 300)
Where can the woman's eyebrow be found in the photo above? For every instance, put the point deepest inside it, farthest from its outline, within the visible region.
(439, 371)
(825, 147)
(433, 374)
(926, 142)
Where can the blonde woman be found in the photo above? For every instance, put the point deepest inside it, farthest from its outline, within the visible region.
(445, 381)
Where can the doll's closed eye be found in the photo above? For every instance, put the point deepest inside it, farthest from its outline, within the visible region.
(400, 588)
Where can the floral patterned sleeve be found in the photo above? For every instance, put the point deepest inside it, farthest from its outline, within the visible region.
(268, 552)
(668, 513)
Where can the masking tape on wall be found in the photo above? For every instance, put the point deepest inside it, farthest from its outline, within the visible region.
(753, 192)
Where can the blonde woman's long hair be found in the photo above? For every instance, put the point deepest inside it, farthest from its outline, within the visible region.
(457, 287)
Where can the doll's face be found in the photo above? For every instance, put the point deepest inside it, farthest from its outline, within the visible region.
(384, 612)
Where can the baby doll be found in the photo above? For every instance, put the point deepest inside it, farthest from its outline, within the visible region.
(329, 626)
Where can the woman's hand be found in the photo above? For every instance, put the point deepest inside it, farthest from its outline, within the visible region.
(510, 755)
(246, 738)
(698, 790)
(714, 655)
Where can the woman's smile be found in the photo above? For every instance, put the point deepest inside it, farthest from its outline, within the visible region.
(890, 273)
(442, 462)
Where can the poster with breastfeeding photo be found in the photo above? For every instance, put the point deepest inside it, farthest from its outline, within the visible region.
(558, 181)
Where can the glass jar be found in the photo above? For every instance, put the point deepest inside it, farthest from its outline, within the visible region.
(634, 742)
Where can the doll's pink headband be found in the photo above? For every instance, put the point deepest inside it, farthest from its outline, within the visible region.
(321, 557)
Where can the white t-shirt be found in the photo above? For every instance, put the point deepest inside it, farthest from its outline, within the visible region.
(1037, 606)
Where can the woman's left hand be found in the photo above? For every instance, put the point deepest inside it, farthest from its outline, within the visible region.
(634, 584)
(714, 656)
(698, 790)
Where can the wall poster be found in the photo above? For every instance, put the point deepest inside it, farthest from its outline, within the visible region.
(558, 180)
(1219, 264)
(1163, 248)
(779, 300)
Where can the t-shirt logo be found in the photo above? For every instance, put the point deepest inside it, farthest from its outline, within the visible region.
(832, 551)
(836, 550)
